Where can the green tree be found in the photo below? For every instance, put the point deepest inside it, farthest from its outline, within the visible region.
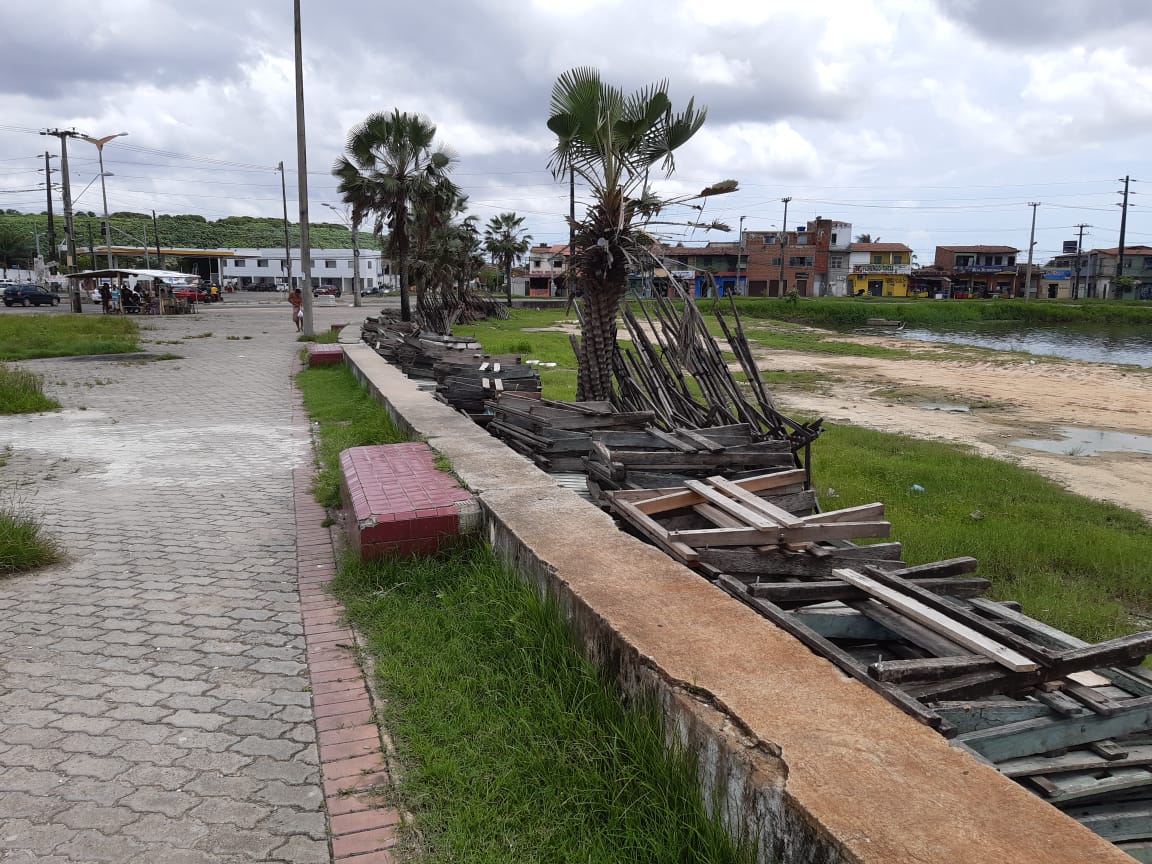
(16, 244)
(866, 238)
(506, 242)
(390, 169)
(611, 141)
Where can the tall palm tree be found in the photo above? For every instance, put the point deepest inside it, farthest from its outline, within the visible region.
(611, 141)
(506, 242)
(866, 238)
(390, 169)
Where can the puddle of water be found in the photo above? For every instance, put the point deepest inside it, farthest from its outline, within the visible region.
(950, 407)
(1076, 441)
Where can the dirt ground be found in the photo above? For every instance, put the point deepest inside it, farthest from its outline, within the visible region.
(1008, 399)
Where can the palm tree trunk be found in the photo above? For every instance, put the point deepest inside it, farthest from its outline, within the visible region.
(405, 304)
(598, 339)
(508, 282)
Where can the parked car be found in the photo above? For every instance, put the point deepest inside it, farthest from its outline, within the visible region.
(28, 294)
(95, 296)
(197, 295)
(331, 290)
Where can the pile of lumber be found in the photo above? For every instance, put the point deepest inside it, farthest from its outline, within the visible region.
(1069, 720)
(438, 309)
(469, 385)
(657, 458)
(385, 334)
(556, 435)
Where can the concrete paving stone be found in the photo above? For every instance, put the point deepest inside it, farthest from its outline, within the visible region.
(301, 698)
(26, 835)
(142, 751)
(180, 833)
(279, 667)
(80, 742)
(181, 856)
(143, 713)
(287, 820)
(134, 730)
(213, 784)
(200, 719)
(92, 846)
(228, 810)
(304, 796)
(226, 763)
(200, 739)
(94, 791)
(290, 772)
(40, 758)
(305, 733)
(176, 685)
(253, 726)
(27, 699)
(277, 748)
(174, 803)
(37, 736)
(303, 850)
(100, 767)
(203, 704)
(240, 708)
(35, 808)
(20, 779)
(229, 840)
(107, 820)
(167, 777)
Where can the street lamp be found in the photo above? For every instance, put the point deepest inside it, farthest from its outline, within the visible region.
(354, 227)
(100, 142)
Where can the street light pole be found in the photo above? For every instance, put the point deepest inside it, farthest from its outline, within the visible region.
(100, 142)
(302, 176)
(783, 241)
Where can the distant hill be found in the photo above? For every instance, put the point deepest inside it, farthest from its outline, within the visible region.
(183, 230)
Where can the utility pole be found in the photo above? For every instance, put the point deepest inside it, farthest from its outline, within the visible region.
(51, 219)
(356, 301)
(1031, 246)
(66, 198)
(1123, 227)
(739, 258)
(1079, 252)
(568, 286)
(302, 179)
(287, 239)
(783, 241)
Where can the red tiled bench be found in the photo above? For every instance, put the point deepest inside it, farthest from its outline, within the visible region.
(325, 355)
(397, 502)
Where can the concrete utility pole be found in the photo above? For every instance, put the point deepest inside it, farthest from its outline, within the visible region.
(1123, 227)
(51, 219)
(287, 239)
(783, 241)
(1079, 252)
(100, 142)
(739, 257)
(66, 199)
(1031, 246)
(302, 179)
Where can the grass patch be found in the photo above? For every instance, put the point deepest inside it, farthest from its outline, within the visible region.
(25, 337)
(347, 416)
(167, 355)
(22, 392)
(204, 335)
(514, 748)
(328, 337)
(23, 543)
(1073, 562)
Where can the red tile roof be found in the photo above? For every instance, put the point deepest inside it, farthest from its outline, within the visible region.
(978, 248)
(1115, 250)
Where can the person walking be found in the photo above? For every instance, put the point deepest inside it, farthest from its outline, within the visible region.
(297, 301)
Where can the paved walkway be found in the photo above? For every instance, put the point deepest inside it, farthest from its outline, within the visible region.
(154, 700)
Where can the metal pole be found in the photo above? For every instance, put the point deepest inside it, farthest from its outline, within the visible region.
(739, 257)
(104, 195)
(783, 241)
(147, 257)
(1031, 246)
(51, 218)
(1123, 227)
(302, 179)
(287, 239)
(356, 301)
(1079, 253)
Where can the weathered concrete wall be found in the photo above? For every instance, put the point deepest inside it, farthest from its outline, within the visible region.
(818, 768)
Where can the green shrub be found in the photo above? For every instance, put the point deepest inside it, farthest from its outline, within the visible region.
(22, 391)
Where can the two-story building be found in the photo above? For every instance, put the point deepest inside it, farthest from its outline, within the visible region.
(812, 259)
(879, 269)
(699, 265)
(547, 269)
(978, 271)
(1098, 272)
(265, 268)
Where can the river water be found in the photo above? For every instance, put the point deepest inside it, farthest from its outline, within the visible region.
(1096, 343)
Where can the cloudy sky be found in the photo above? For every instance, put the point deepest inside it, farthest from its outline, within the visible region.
(922, 121)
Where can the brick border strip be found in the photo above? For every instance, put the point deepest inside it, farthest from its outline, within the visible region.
(352, 761)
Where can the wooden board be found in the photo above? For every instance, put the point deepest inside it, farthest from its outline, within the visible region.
(938, 622)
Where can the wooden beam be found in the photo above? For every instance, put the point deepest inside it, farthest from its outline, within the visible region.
(947, 567)
(674, 499)
(929, 668)
(939, 622)
(1073, 760)
(656, 532)
(824, 591)
(863, 513)
(747, 515)
(969, 716)
(777, 514)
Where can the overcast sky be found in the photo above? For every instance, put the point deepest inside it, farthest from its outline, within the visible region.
(922, 121)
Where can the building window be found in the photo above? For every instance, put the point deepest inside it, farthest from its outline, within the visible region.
(833, 239)
(535, 263)
(557, 263)
(775, 262)
(262, 262)
(897, 259)
(877, 259)
(369, 281)
(768, 238)
(238, 263)
(1011, 261)
(801, 239)
(999, 259)
(963, 260)
(835, 261)
(330, 265)
(283, 263)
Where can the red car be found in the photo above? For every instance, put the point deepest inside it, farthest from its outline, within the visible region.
(197, 295)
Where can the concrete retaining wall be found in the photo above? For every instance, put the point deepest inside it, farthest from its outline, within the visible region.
(816, 767)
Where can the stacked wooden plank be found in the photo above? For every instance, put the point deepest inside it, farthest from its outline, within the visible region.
(657, 458)
(556, 435)
(467, 386)
(385, 334)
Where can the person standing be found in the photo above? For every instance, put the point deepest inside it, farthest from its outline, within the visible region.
(297, 301)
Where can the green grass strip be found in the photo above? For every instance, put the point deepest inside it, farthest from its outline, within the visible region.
(1079, 564)
(513, 747)
(22, 391)
(348, 416)
(25, 337)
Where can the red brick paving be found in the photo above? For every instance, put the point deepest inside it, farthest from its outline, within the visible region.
(325, 355)
(351, 758)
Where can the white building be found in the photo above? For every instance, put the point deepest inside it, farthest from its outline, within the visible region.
(256, 268)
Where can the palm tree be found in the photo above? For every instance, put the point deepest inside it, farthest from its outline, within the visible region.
(505, 241)
(611, 141)
(866, 238)
(391, 170)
